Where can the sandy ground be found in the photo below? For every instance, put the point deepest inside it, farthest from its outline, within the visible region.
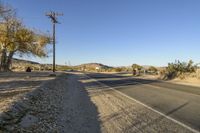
(188, 81)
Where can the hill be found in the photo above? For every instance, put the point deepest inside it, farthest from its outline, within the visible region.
(92, 66)
(21, 65)
(19, 61)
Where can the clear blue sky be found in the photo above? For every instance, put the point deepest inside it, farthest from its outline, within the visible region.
(118, 32)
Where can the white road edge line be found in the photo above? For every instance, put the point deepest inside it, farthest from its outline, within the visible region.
(160, 113)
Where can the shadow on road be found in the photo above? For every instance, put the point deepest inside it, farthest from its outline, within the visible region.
(117, 81)
(79, 113)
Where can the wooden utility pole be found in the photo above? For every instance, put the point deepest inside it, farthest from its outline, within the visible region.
(52, 16)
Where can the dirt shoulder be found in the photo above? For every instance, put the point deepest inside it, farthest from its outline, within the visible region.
(188, 81)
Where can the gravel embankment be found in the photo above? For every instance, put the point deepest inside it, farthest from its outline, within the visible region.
(61, 105)
(35, 110)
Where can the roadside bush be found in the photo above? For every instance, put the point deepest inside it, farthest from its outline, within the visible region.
(118, 69)
(179, 69)
(136, 67)
(152, 69)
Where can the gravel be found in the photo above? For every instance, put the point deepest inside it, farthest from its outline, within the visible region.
(36, 110)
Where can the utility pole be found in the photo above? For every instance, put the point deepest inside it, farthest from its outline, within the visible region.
(52, 16)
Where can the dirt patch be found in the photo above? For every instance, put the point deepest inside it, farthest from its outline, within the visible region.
(187, 81)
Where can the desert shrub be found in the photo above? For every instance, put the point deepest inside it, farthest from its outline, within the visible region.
(179, 69)
(136, 67)
(152, 69)
(118, 69)
(62, 68)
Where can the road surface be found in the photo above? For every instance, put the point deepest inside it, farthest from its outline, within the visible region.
(179, 102)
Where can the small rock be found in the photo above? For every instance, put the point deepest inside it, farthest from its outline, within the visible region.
(52, 75)
(4, 116)
(27, 77)
(28, 121)
(9, 128)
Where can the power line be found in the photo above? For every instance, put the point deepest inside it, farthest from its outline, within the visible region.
(53, 17)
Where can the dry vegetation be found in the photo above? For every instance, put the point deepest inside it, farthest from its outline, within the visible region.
(180, 70)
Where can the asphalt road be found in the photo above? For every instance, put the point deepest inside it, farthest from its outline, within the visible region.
(180, 102)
